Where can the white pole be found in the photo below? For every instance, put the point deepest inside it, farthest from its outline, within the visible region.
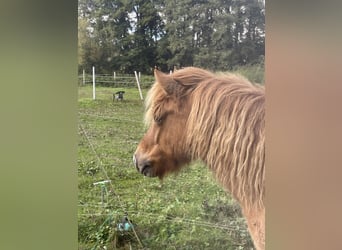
(114, 75)
(139, 75)
(138, 83)
(93, 83)
(83, 77)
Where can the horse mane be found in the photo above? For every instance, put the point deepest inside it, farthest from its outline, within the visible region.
(225, 128)
(157, 94)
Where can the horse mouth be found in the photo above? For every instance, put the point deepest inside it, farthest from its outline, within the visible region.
(147, 170)
(144, 167)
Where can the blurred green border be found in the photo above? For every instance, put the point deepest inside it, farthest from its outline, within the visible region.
(38, 131)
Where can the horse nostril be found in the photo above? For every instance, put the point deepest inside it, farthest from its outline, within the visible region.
(142, 165)
(144, 168)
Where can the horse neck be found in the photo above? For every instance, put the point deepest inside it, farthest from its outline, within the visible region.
(215, 135)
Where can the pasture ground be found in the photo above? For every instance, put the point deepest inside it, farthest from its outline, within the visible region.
(188, 210)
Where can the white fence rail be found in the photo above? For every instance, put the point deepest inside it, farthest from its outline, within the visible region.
(114, 80)
(110, 80)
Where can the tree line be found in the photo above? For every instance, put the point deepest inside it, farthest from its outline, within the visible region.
(128, 35)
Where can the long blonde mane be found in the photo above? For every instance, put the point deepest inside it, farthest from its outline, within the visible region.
(225, 128)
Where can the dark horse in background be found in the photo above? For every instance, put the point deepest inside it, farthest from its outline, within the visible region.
(220, 119)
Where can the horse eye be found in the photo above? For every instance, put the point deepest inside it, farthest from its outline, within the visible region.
(158, 120)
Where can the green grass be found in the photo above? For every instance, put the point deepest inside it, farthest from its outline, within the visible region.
(187, 211)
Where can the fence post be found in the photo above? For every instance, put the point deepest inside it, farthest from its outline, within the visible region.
(138, 83)
(93, 83)
(114, 75)
(83, 77)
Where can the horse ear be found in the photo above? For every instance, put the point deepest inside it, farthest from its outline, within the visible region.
(166, 81)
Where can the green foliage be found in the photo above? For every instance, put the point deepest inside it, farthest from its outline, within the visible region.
(255, 73)
(138, 35)
(188, 210)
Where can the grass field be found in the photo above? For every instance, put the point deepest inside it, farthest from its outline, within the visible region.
(187, 211)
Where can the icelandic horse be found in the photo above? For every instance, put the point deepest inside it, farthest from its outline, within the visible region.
(194, 114)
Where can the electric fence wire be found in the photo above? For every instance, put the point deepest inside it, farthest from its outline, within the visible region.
(171, 219)
(107, 177)
(108, 117)
(176, 220)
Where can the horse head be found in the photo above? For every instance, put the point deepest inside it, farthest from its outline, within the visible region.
(162, 149)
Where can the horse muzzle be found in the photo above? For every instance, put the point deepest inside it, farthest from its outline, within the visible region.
(143, 165)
